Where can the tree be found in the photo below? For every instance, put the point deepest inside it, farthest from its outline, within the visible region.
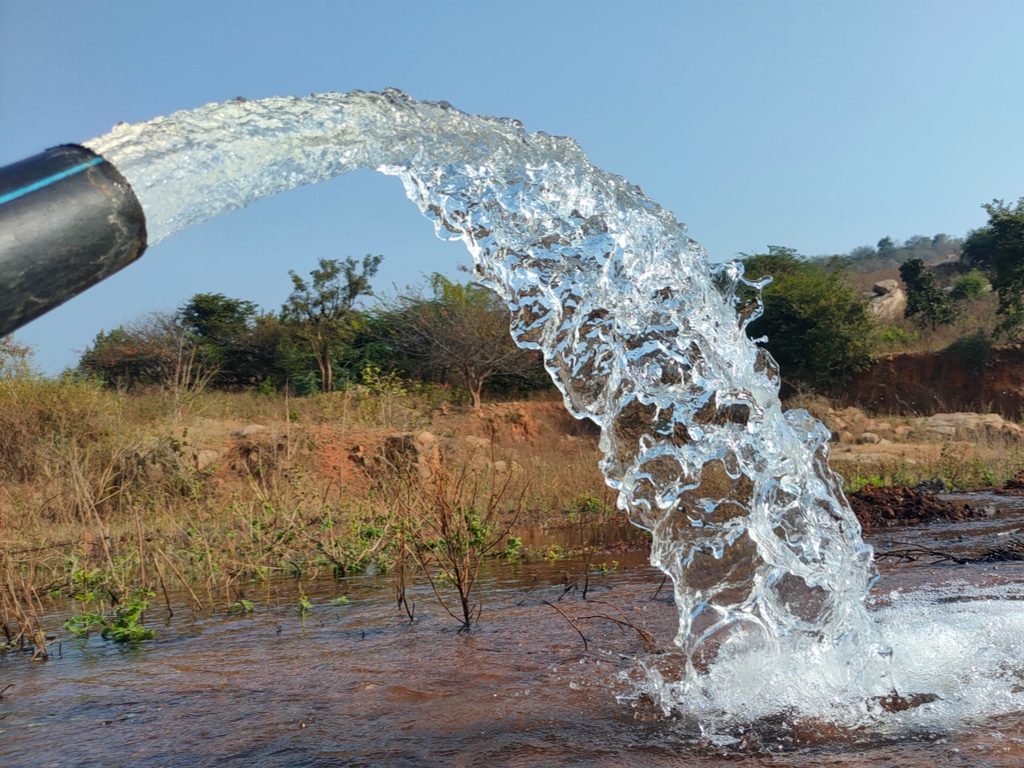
(152, 350)
(997, 249)
(217, 319)
(15, 359)
(969, 287)
(818, 328)
(925, 301)
(223, 328)
(321, 311)
(460, 332)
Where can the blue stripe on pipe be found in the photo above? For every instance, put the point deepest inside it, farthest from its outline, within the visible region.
(49, 180)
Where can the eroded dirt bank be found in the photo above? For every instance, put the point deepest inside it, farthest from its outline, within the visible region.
(925, 383)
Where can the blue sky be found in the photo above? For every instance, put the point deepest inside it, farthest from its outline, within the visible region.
(806, 123)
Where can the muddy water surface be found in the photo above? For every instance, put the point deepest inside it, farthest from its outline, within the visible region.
(356, 683)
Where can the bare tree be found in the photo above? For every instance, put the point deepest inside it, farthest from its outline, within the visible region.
(460, 332)
(153, 349)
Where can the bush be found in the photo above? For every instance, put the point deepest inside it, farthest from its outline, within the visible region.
(974, 350)
(818, 328)
(970, 286)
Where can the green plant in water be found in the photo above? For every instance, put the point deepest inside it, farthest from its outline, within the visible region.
(588, 505)
(305, 607)
(122, 625)
(513, 548)
(241, 606)
(85, 584)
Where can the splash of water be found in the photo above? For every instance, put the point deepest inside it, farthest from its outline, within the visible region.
(639, 332)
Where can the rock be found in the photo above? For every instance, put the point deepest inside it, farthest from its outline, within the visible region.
(1014, 486)
(870, 438)
(357, 455)
(855, 417)
(409, 452)
(885, 287)
(889, 301)
(477, 444)
(206, 458)
(933, 486)
(249, 430)
(970, 425)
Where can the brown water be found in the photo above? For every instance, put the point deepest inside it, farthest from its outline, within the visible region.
(358, 684)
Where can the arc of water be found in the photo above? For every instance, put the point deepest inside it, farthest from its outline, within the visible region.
(638, 331)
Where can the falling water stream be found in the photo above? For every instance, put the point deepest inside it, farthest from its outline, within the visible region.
(647, 339)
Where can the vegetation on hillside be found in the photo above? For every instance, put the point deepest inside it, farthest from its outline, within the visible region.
(959, 293)
(454, 335)
(889, 253)
(448, 334)
(997, 249)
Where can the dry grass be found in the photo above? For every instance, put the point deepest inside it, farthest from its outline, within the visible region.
(987, 461)
(102, 499)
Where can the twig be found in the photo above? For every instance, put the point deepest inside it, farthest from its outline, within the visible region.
(571, 622)
(163, 584)
(625, 622)
(181, 578)
(658, 590)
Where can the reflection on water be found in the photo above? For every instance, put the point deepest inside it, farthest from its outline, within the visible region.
(356, 684)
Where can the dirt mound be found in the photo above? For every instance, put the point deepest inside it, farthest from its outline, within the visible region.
(896, 506)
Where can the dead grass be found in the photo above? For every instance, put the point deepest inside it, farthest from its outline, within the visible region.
(984, 462)
(102, 495)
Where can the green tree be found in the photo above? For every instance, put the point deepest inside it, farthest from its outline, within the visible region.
(322, 310)
(925, 301)
(997, 249)
(223, 328)
(217, 319)
(969, 287)
(818, 328)
(886, 246)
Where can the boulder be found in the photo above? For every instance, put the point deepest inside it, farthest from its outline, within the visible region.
(888, 302)
(205, 458)
(410, 452)
(970, 425)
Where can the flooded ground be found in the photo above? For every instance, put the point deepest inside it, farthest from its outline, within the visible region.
(356, 683)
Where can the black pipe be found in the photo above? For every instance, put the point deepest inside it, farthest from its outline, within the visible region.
(68, 219)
